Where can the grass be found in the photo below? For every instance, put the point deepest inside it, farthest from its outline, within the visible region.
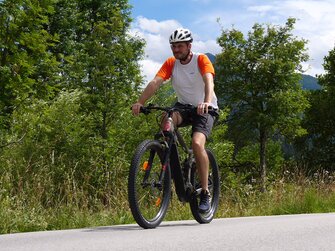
(285, 199)
(289, 198)
(26, 219)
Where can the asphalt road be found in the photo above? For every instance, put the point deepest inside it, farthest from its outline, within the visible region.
(291, 232)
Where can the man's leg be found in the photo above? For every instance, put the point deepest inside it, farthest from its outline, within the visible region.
(201, 157)
(176, 118)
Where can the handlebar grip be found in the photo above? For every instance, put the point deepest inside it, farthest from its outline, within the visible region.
(144, 110)
(212, 111)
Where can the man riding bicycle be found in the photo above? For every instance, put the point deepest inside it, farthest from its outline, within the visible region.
(192, 77)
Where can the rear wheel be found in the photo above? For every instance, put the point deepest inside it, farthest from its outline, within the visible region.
(213, 187)
(148, 200)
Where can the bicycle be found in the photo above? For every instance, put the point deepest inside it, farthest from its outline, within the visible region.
(155, 163)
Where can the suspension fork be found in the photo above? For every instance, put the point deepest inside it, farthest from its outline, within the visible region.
(148, 167)
(166, 160)
(168, 133)
(164, 164)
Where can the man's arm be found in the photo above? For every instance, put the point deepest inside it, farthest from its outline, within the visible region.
(148, 92)
(209, 87)
(209, 91)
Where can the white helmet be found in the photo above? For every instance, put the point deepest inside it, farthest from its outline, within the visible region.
(181, 35)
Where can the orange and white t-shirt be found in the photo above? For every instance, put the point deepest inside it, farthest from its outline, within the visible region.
(187, 79)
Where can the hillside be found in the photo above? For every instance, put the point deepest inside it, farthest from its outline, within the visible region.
(308, 82)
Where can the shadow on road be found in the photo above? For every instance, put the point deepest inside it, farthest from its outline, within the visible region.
(136, 227)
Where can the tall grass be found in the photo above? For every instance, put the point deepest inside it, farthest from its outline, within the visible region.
(21, 214)
(302, 195)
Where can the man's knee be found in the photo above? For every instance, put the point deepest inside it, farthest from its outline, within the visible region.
(198, 141)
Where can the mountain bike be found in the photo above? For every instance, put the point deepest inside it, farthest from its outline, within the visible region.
(156, 163)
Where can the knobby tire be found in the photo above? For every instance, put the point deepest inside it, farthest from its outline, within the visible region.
(148, 203)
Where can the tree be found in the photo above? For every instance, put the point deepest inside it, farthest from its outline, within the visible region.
(78, 73)
(27, 67)
(98, 55)
(257, 77)
(319, 144)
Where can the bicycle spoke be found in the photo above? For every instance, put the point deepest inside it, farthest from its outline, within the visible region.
(150, 199)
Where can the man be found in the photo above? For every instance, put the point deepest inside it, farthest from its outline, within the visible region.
(192, 77)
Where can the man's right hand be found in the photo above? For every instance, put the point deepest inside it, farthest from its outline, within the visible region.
(146, 94)
(136, 108)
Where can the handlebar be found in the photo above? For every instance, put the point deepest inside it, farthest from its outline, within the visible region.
(147, 109)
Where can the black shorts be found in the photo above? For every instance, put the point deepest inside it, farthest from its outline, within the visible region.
(200, 123)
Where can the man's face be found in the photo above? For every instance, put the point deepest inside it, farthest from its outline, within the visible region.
(180, 50)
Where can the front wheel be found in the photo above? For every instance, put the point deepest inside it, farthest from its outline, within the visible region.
(213, 187)
(148, 199)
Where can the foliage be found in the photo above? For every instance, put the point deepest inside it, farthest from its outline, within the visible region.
(318, 147)
(222, 148)
(69, 73)
(52, 154)
(27, 67)
(257, 79)
(248, 158)
(98, 55)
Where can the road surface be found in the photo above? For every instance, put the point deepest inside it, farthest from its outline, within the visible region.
(290, 232)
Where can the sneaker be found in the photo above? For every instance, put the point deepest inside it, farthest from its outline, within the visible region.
(204, 204)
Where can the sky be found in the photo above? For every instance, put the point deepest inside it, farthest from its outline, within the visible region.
(155, 20)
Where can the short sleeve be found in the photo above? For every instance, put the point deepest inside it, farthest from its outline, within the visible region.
(205, 65)
(165, 71)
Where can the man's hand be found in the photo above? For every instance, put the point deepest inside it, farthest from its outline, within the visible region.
(136, 108)
(203, 107)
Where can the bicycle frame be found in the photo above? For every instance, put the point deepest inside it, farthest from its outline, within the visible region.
(176, 170)
(171, 159)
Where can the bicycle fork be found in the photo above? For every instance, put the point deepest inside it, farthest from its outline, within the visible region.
(164, 165)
